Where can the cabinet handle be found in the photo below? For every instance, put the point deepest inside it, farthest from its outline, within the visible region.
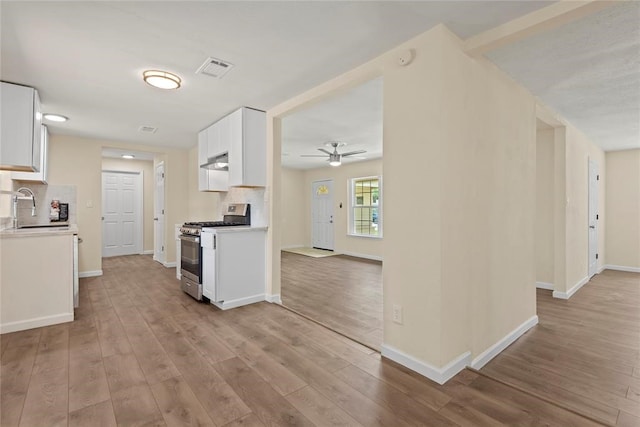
(214, 241)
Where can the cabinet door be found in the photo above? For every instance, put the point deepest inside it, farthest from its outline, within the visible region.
(42, 175)
(208, 242)
(254, 146)
(18, 121)
(224, 134)
(203, 178)
(213, 138)
(236, 160)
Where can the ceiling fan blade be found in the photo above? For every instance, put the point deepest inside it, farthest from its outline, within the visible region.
(312, 155)
(351, 153)
(325, 151)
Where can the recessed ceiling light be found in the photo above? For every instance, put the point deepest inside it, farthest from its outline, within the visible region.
(128, 156)
(55, 117)
(161, 79)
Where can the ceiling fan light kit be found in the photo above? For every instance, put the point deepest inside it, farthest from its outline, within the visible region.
(335, 158)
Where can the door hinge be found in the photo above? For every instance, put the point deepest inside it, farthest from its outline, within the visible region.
(214, 241)
(597, 216)
(596, 256)
(162, 211)
(597, 177)
(163, 174)
(162, 250)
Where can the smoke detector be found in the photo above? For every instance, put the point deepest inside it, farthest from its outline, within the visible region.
(215, 67)
(147, 129)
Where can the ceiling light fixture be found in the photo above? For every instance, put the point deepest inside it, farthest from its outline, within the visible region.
(128, 156)
(334, 159)
(161, 79)
(55, 117)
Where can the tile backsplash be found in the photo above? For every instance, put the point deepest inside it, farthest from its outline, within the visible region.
(257, 197)
(44, 195)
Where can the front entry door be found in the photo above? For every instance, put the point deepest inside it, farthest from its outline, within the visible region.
(322, 215)
(121, 211)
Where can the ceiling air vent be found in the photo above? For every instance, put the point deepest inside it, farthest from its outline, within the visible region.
(214, 67)
(147, 129)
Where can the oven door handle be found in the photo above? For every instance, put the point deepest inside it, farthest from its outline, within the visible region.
(193, 239)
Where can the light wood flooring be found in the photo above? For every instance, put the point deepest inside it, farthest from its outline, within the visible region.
(342, 292)
(585, 352)
(141, 352)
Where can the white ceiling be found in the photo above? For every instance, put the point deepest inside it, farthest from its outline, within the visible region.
(86, 59)
(588, 71)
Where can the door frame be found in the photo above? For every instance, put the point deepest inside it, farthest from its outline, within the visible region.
(162, 256)
(592, 216)
(139, 206)
(333, 237)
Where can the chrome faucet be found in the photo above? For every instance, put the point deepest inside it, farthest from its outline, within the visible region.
(20, 195)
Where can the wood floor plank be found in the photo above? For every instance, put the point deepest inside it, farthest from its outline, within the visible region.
(123, 371)
(136, 406)
(391, 398)
(320, 410)
(141, 352)
(98, 415)
(178, 404)
(265, 403)
(584, 351)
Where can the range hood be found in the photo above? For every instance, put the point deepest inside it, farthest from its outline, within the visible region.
(218, 163)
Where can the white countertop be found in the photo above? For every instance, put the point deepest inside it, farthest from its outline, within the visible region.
(34, 232)
(234, 228)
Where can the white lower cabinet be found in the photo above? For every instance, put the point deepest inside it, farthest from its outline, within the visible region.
(233, 266)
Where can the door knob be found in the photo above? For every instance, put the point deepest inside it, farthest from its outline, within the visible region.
(592, 226)
(155, 219)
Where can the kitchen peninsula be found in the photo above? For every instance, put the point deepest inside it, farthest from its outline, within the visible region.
(37, 277)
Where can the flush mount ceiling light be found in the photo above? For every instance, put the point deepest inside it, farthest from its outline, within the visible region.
(55, 117)
(161, 79)
(128, 156)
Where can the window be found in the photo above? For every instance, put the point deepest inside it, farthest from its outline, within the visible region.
(366, 207)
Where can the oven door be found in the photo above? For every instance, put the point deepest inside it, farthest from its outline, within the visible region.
(191, 258)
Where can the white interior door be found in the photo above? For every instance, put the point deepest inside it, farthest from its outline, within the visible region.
(121, 213)
(593, 217)
(322, 215)
(158, 215)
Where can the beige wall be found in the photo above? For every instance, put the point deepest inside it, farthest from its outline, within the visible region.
(544, 235)
(78, 161)
(463, 135)
(293, 214)
(623, 209)
(146, 168)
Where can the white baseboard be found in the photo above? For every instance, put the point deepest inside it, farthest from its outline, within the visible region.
(484, 357)
(621, 268)
(601, 269)
(149, 252)
(544, 285)
(573, 290)
(439, 375)
(365, 256)
(94, 273)
(36, 322)
(275, 298)
(226, 305)
(170, 264)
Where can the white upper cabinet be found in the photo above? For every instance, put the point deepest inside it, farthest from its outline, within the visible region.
(21, 122)
(42, 174)
(209, 180)
(239, 139)
(248, 148)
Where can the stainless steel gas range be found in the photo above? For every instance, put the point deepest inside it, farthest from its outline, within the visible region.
(237, 214)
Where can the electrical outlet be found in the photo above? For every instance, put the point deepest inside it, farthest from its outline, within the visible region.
(397, 314)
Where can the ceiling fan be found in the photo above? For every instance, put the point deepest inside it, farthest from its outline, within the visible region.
(335, 158)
